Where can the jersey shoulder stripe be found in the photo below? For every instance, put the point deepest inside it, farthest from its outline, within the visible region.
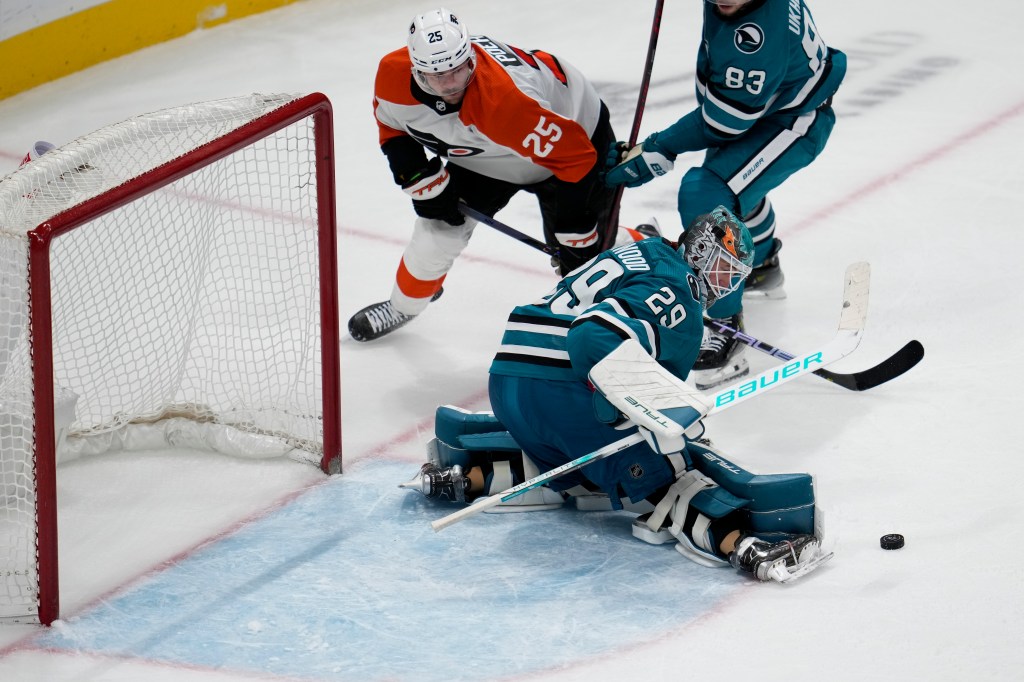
(507, 105)
(394, 76)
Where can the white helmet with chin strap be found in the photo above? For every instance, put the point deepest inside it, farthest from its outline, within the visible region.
(438, 42)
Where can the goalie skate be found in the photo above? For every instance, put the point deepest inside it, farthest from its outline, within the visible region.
(787, 574)
(781, 562)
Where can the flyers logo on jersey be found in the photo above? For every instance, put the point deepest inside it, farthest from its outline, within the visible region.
(749, 38)
(440, 147)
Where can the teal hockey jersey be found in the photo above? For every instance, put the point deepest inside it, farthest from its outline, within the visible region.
(643, 290)
(767, 59)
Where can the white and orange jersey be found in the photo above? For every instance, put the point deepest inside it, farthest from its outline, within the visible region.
(525, 116)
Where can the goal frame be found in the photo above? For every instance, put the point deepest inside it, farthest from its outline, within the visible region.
(315, 105)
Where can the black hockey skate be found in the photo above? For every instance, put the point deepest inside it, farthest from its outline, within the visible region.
(782, 562)
(721, 357)
(767, 279)
(649, 229)
(442, 483)
(374, 321)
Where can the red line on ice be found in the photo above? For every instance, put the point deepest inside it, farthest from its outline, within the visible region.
(898, 174)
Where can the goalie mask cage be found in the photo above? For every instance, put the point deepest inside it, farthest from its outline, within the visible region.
(166, 281)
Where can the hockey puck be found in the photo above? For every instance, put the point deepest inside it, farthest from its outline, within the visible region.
(891, 541)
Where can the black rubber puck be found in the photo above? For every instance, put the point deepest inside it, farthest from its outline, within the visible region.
(891, 541)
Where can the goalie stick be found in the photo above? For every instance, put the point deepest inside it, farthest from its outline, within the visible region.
(851, 328)
(898, 363)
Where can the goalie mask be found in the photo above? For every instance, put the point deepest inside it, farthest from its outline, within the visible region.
(442, 56)
(720, 250)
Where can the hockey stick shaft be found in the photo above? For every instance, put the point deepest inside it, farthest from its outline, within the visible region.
(641, 104)
(851, 327)
(485, 503)
(487, 220)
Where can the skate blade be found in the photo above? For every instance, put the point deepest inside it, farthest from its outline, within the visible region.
(784, 574)
(776, 294)
(708, 379)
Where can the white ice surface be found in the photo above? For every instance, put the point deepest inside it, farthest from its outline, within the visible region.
(922, 178)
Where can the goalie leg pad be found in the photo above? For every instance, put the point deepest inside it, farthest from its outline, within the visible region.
(478, 439)
(779, 505)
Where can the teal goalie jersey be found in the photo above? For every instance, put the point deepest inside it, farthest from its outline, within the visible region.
(641, 290)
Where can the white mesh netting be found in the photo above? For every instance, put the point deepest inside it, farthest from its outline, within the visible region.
(200, 300)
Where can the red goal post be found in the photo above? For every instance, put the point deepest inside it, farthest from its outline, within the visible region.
(167, 280)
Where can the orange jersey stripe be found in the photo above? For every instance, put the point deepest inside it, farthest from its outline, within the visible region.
(413, 287)
(513, 119)
(392, 84)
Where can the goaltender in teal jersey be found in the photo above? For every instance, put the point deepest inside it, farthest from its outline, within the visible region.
(765, 82)
(616, 323)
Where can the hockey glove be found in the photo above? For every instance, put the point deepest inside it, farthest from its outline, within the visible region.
(433, 194)
(639, 165)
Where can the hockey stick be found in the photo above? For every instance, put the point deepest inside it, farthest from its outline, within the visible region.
(487, 220)
(641, 103)
(890, 368)
(851, 328)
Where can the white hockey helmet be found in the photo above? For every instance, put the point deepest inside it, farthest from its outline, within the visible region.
(439, 43)
(37, 150)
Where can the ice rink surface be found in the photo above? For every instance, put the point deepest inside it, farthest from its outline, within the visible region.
(190, 566)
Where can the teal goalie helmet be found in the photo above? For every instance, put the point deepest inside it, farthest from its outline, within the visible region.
(719, 248)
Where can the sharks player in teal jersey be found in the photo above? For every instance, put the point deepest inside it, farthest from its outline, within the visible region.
(548, 387)
(765, 81)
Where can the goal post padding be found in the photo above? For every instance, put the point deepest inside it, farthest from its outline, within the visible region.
(172, 277)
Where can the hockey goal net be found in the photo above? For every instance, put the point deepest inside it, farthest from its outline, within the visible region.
(166, 281)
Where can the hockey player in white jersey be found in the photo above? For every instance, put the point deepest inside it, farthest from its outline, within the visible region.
(496, 120)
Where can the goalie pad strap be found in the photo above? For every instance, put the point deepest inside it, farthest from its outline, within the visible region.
(678, 497)
(501, 478)
(700, 534)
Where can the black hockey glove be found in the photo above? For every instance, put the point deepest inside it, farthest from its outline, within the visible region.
(433, 194)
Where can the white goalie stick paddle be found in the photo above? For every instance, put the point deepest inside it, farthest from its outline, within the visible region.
(851, 328)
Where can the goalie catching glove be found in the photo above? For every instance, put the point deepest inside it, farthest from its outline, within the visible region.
(433, 194)
(638, 165)
(664, 408)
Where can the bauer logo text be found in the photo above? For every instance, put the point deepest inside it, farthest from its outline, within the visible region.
(784, 373)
